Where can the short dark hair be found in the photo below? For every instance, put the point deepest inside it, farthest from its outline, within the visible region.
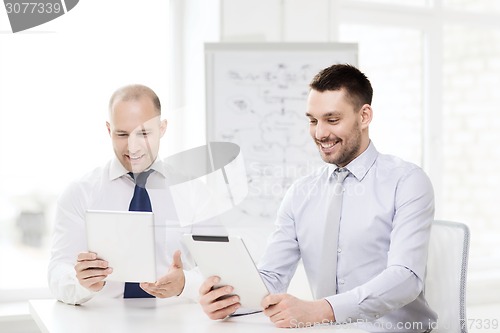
(134, 92)
(344, 76)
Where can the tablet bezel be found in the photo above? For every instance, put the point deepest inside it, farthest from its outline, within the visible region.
(229, 258)
(126, 240)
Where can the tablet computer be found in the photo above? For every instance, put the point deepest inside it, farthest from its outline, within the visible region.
(126, 240)
(228, 258)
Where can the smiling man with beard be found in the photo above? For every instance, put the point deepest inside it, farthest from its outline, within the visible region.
(370, 267)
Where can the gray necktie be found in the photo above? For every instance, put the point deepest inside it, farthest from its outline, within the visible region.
(327, 282)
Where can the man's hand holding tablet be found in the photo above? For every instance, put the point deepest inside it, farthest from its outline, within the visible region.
(233, 281)
(91, 271)
(218, 303)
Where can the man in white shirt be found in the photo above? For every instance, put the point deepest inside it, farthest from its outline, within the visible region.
(76, 275)
(381, 248)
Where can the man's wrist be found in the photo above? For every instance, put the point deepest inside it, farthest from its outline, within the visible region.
(327, 311)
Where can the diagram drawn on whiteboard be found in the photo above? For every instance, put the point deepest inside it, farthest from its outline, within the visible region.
(256, 98)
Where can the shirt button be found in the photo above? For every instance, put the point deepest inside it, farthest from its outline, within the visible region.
(341, 281)
(339, 250)
(377, 316)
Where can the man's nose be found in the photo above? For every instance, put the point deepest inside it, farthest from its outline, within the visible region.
(133, 144)
(321, 131)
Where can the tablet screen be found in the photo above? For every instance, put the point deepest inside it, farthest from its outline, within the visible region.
(126, 241)
(228, 258)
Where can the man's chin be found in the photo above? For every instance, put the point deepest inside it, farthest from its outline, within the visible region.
(328, 158)
(135, 168)
(140, 167)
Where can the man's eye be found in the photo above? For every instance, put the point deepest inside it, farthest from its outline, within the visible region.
(333, 121)
(312, 121)
(122, 135)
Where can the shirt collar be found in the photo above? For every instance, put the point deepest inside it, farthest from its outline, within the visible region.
(117, 170)
(360, 165)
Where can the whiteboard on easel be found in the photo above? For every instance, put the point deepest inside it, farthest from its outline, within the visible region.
(256, 97)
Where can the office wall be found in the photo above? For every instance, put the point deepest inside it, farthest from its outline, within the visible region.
(55, 84)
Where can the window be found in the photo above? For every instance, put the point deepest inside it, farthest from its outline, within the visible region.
(416, 3)
(483, 6)
(395, 72)
(54, 89)
(471, 136)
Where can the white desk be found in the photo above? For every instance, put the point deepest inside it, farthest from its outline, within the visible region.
(148, 315)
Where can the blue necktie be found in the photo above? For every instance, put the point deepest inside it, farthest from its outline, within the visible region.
(140, 203)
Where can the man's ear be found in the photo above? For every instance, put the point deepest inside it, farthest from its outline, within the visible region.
(366, 115)
(109, 128)
(163, 127)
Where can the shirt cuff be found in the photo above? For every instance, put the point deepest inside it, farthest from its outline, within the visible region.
(65, 286)
(193, 281)
(345, 307)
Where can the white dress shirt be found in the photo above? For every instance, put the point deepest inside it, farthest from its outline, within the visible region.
(387, 210)
(111, 188)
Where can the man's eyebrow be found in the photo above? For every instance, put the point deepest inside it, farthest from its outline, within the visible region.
(142, 130)
(331, 114)
(325, 115)
(138, 130)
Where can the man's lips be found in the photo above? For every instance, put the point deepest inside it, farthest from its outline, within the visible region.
(135, 158)
(328, 146)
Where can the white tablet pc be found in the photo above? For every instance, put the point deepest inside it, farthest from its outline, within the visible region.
(228, 258)
(126, 240)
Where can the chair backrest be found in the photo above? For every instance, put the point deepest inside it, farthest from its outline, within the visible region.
(445, 282)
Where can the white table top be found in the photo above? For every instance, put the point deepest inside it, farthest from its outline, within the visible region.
(148, 315)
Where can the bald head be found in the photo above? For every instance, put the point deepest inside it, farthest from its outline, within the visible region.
(134, 92)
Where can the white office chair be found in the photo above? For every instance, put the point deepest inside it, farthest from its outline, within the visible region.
(445, 283)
